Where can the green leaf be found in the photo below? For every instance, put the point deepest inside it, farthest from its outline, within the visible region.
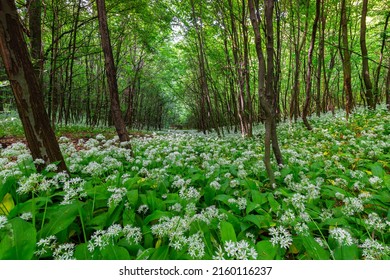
(377, 170)
(161, 253)
(156, 215)
(273, 203)
(258, 198)
(265, 250)
(82, 253)
(19, 244)
(132, 197)
(347, 253)
(60, 217)
(313, 249)
(145, 255)
(227, 232)
(112, 252)
(259, 220)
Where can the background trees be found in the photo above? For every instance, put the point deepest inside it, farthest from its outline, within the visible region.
(196, 63)
(26, 88)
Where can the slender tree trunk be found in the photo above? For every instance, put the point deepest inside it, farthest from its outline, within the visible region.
(35, 28)
(378, 69)
(267, 97)
(365, 70)
(111, 73)
(321, 57)
(28, 95)
(306, 106)
(72, 51)
(346, 59)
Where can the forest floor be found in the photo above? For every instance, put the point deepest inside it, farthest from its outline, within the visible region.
(185, 195)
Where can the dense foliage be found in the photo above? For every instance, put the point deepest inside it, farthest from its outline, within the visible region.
(183, 195)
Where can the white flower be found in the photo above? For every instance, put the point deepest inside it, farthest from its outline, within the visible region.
(280, 236)
(373, 250)
(142, 209)
(132, 234)
(51, 168)
(375, 222)
(342, 236)
(117, 196)
(64, 252)
(240, 250)
(196, 246)
(3, 221)
(26, 216)
(352, 205)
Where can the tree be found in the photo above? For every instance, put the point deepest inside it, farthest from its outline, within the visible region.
(34, 8)
(111, 72)
(306, 106)
(28, 95)
(346, 59)
(365, 70)
(267, 96)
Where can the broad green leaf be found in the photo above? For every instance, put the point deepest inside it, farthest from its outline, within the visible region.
(112, 252)
(265, 250)
(19, 244)
(260, 221)
(145, 255)
(60, 217)
(82, 253)
(313, 249)
(156, 215)
(227, 232)
(132, 197)
(273, 203)
(347, 253)
(162, 253)
(377, 170)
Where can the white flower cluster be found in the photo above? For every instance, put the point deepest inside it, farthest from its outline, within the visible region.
(374, 222)
(102, 238)
(74, 189)
(342, 236)
(373, 250)
(49, 246)
(240, 202)
(280, 236)
(352, 205)
(3, 221)
(117, 195)
(240, 250)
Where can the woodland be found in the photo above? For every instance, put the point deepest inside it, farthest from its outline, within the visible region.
(194, 129)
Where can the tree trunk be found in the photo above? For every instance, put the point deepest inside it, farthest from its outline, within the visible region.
(378, 69)
(111, 73)
(35, 23)
(366, 71)
(306, 106)
(346, 59)
(28, 95)
(267, 96)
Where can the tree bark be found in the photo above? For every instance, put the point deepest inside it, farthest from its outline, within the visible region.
(28, 95)
(35, 29)
(111, 73)
(365, 70)
(267, 98)
(346, 59)
(378, 69)
(306, 106)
